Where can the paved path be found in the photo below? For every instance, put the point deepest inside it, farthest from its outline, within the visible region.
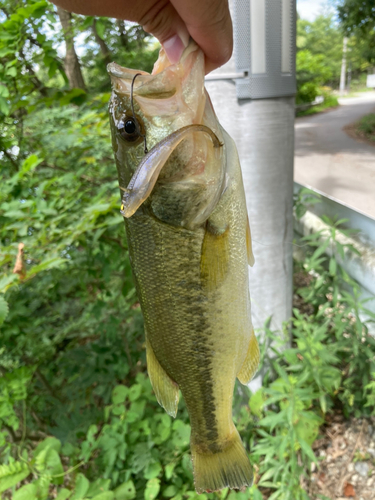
(328, 159)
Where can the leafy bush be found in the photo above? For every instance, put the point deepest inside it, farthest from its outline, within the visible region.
(366, 125)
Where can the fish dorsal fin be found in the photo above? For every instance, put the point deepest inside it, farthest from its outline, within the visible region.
(215, 255)
(249, 246)
(250, 365)
(166, 390)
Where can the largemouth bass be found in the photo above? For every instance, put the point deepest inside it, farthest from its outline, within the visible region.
(189, 243)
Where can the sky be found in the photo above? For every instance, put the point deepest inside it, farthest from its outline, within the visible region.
(310, 9)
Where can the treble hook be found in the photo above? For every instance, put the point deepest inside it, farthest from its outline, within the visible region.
(134, 118)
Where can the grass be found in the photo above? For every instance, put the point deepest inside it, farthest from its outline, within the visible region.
(366, 127)
(329, 103)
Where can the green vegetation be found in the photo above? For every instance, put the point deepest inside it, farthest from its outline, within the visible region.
(357, 18)
(319, 57)
(78, 418)
(330, 101)
(366, 127)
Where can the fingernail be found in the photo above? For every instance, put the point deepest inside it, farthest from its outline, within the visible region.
(175, 46)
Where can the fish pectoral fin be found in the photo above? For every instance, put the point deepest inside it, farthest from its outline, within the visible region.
(166, 390)
(215, 255)
(250, 365)
(249, 246)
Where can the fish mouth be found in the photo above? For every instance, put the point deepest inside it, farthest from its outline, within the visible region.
(146, 85)
(165, 79)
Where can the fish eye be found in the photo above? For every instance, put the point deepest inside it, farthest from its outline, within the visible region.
(130, 127)
(128, 130)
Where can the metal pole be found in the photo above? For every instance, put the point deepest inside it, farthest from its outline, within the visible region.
(264, 134)
(343, 66)
(263, 129)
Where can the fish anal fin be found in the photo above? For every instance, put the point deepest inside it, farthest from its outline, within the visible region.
(166, 390)
(215, 256)
(250, 365)
(249, 246)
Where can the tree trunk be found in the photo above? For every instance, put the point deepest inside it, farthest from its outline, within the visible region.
(106, 53)
(71, 63)
(123, 37)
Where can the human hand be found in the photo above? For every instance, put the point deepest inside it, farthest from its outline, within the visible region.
(172, 22)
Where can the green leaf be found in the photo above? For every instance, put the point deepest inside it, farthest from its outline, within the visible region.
(152, 489)
(48, 443)
(169, 470)
(30, 163)
(332, 266)
(125, 491)
(12, 474)
(42, 485)
(27, 492)
(257, 402)
(11, 72)
(4, 309)
(98, 486)
(321, 249)
(107, 495)
(4, 92)
(170, 491)
(181, 434)
(81, 487)
(153, 470)
(75, 96)
(63, 494)
(4, 107)
(100, 28)
(47, 264)
(6, 281)
(135, 392)
(119, 394)
(307, 449)
(54, 466)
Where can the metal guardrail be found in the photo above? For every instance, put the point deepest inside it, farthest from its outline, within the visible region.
(360, 267)
(336, 209)
(307, 105)
(225, 76)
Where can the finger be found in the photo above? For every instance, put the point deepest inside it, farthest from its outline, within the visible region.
(163, 21)
(210, 25)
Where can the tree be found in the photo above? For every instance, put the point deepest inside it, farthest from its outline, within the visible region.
(71, 62)
(319, 56)
(357, 18)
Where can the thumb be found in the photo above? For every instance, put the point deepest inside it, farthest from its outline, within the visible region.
(168, 27)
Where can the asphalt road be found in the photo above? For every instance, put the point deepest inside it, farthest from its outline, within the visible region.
(326, 158)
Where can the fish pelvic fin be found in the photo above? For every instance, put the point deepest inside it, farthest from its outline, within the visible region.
(166, 390)
(250, 365)
(228, 468)
(215, 257)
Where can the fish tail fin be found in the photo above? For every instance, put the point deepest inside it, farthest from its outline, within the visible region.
(228, 468)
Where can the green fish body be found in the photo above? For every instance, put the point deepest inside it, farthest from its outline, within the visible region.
(190, 247)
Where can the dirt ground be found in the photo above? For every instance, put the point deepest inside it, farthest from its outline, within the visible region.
(356, 134)
(346, 460)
